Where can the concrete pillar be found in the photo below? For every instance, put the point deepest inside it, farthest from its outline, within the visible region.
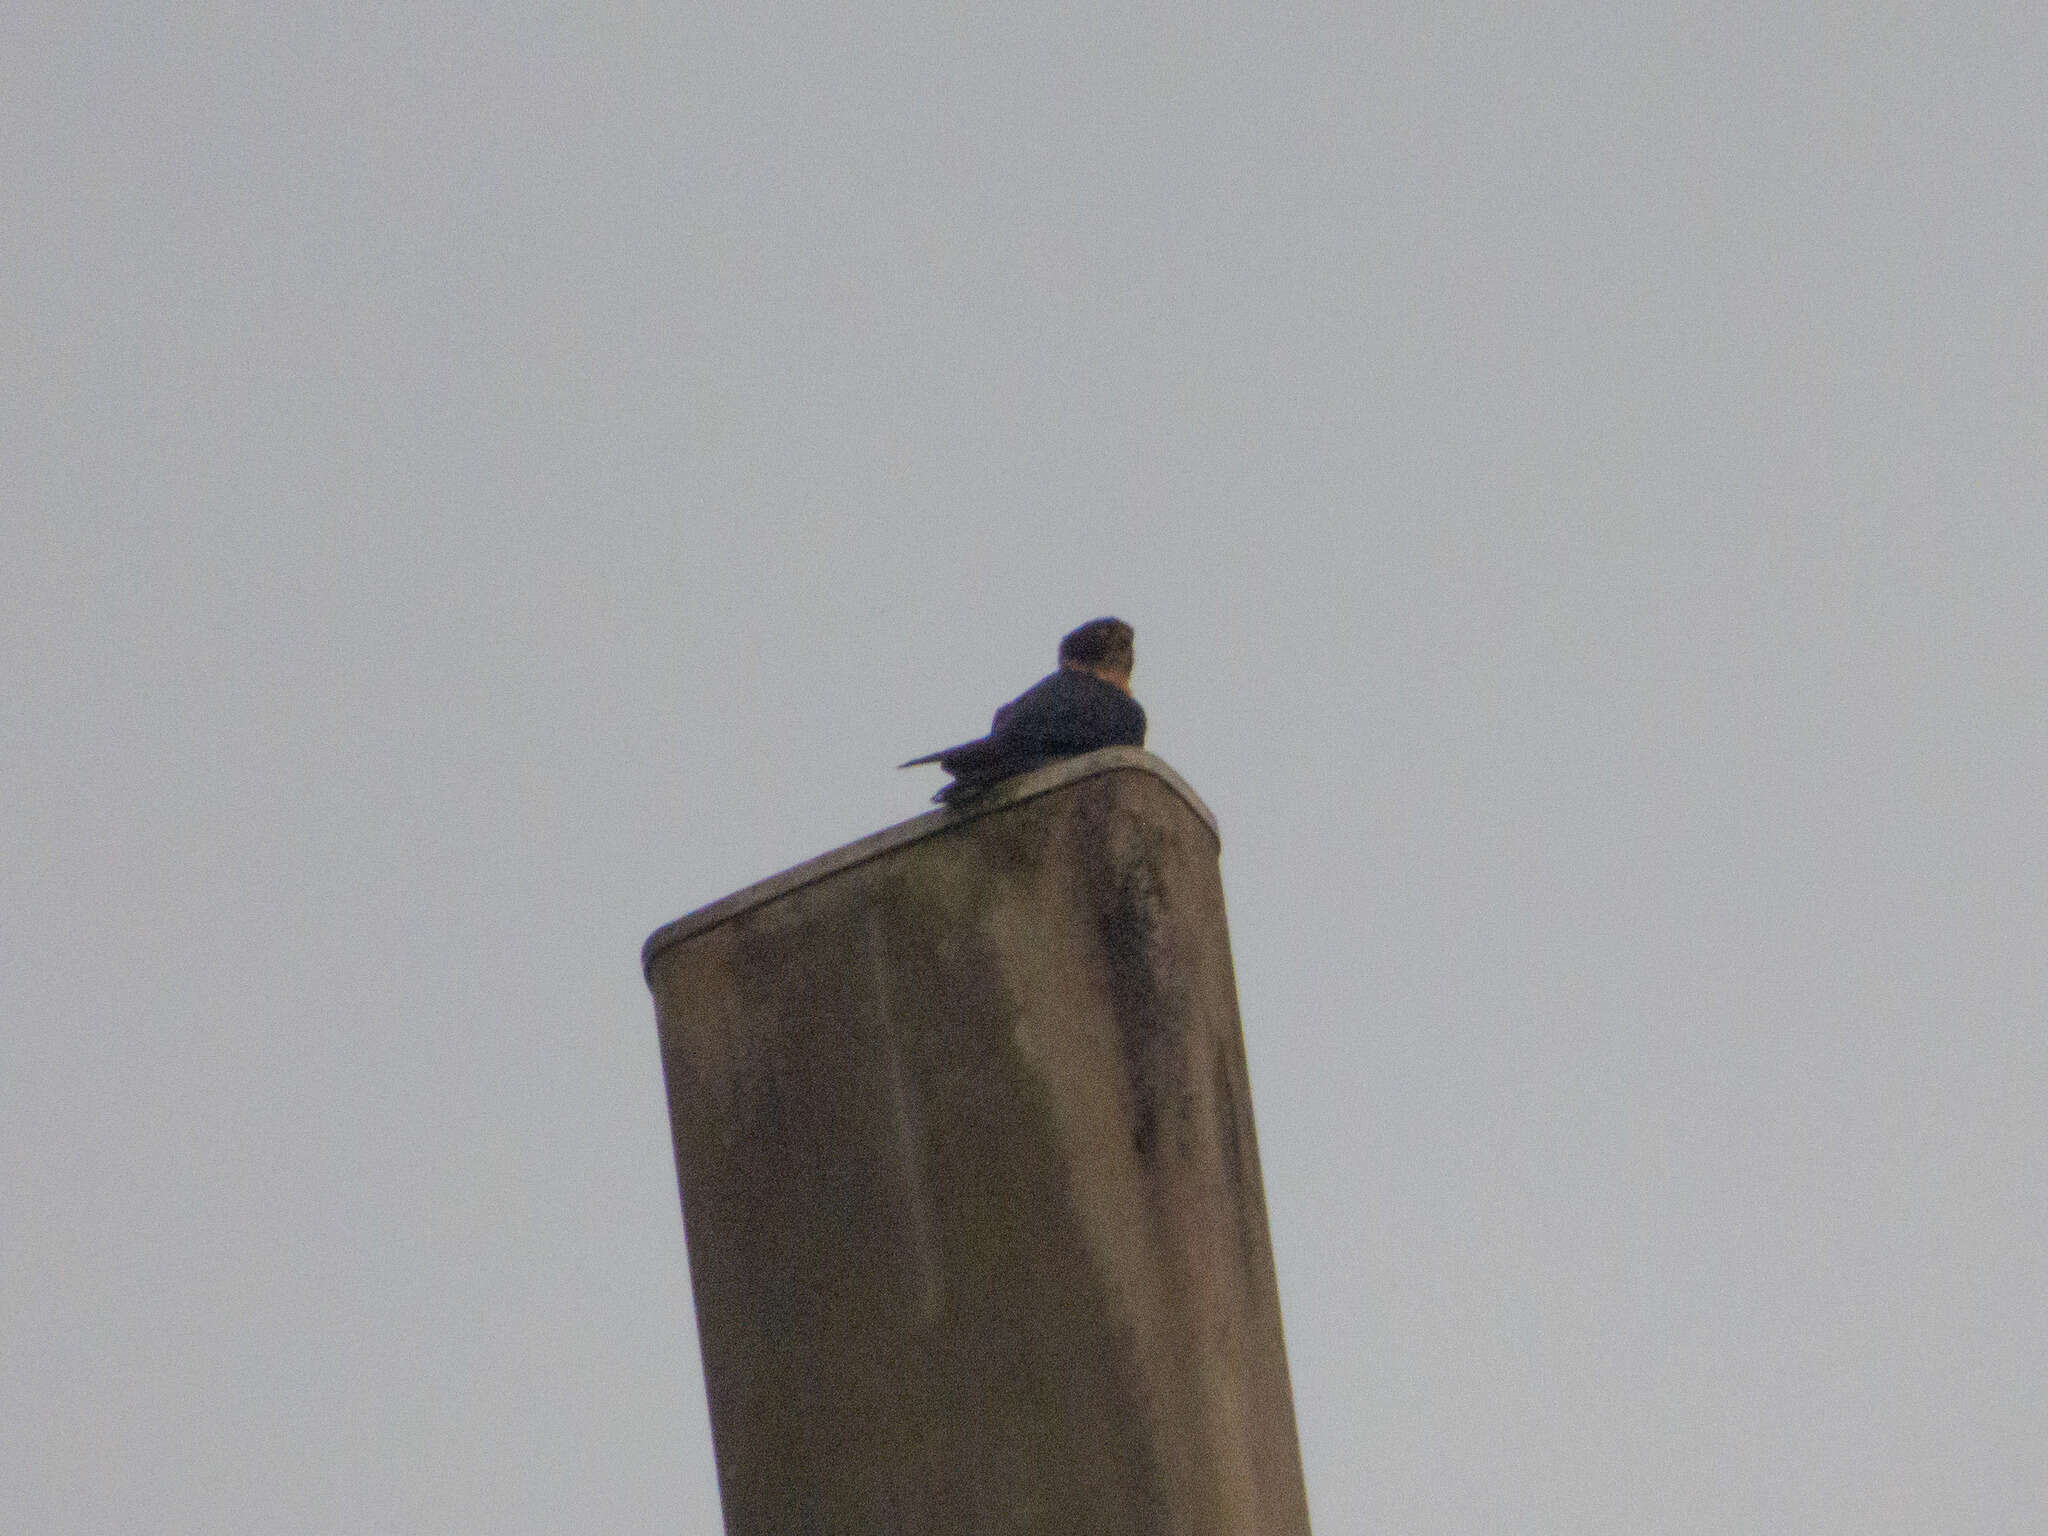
(972, 1195)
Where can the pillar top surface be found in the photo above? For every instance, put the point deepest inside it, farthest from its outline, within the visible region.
(1024, 786)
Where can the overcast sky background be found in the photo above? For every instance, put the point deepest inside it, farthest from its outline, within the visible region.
(474, 487)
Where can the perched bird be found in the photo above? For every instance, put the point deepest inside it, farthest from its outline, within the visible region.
(1086, 704)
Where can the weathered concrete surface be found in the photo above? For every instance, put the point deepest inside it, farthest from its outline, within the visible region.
(975, 1219)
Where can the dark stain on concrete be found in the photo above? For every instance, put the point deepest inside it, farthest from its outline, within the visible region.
(1124, 861)
(1239, 1172)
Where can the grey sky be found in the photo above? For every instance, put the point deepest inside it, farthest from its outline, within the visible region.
(473, 488)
